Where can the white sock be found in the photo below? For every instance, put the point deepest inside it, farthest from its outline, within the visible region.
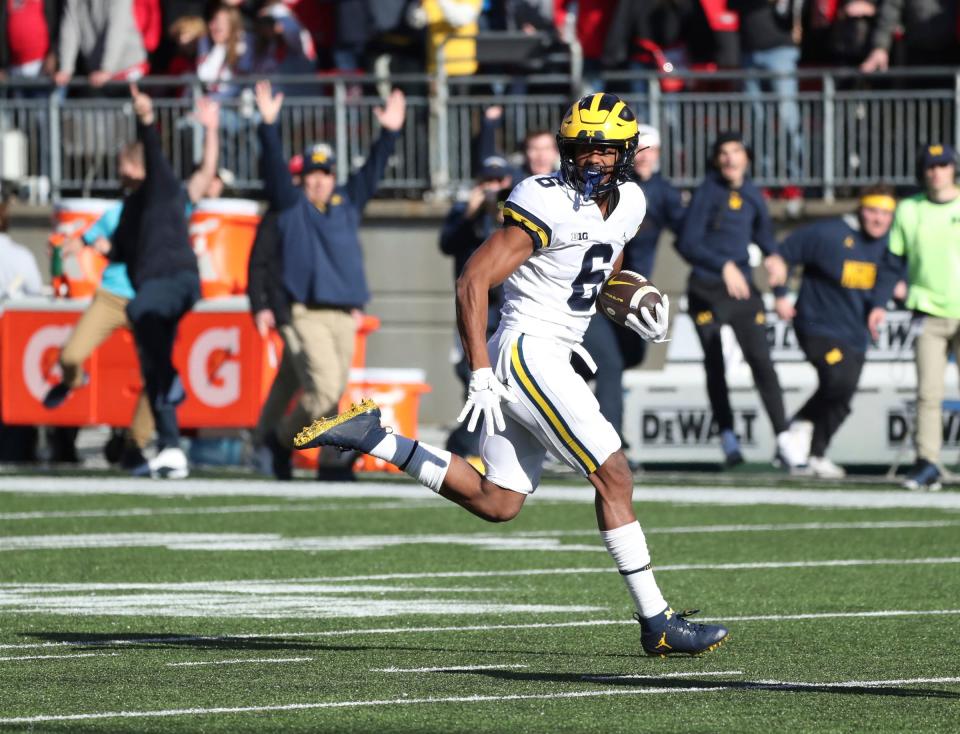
(629, 550)
(426, 464)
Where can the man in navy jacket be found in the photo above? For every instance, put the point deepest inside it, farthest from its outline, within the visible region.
(844, 260)
(726, 214)
(322, 262)
(620, 348)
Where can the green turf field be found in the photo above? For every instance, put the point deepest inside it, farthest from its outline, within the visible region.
(241, 606)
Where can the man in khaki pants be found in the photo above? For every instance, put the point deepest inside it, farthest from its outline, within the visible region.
(107, 310)
(926, 234)
(321, 266)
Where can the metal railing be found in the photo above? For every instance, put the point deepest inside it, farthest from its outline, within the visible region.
(840, 129)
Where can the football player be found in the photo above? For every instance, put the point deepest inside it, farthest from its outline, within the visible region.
(564, 235)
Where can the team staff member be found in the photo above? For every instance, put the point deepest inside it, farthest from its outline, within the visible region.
(467, 226)
(322, 262)
(622, 349)
(926, 235)
(151, 239)
(726, 214)
(841, 258)
(107, 310)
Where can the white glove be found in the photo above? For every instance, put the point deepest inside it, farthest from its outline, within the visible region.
(653, 328)
(483, 398)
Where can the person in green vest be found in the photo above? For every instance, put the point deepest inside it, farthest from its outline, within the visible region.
(926, 236)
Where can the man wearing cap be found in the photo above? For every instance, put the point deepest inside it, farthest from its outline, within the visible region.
(726, 214)
(926, 238)
(836, 313)
(468, 224)
(622, 349)
(322, 262)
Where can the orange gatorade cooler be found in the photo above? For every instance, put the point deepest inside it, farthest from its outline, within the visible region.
(77, 276)
(222, 233)
(397, 391)
(368, 325)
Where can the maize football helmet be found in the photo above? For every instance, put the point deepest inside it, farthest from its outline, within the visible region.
(594, 120)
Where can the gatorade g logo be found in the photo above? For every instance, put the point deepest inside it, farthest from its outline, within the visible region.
(213, 367)
(40, 367)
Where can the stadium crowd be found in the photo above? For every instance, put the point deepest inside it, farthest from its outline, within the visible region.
(217, 40)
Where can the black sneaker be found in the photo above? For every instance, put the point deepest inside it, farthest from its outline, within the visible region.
(56, 395)
(730, 443)
(669, 633)
(357, 428)
(281, 458)
(132, 458)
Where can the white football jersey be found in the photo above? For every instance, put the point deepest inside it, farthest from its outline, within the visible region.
(553, 293)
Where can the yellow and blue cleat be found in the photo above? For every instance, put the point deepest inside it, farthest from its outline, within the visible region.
(356, 428)
(669, 633)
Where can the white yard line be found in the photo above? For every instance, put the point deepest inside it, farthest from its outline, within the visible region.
(447, 668)
(753, 528)
(334, 600)
(61, 657)
(524, 540)
(274, 542)
(711, 688)
(658, 568)
(791, 685)
(710, 495)
(217, 510)
(830, 615)
(468, 628)
(239, 661)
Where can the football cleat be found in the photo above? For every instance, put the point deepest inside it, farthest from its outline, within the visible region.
(357, 428)
(669, 633)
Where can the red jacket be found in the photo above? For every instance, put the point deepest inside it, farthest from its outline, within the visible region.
(146, 14)
(593, 20)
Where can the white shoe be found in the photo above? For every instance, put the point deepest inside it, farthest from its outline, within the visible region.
(821, 466)
(802, 432)
(171, 463)
(788, 450)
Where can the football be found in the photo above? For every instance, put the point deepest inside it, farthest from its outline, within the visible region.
(627, 292)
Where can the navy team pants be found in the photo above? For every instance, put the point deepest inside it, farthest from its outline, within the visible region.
(838, 368)
(155, 312)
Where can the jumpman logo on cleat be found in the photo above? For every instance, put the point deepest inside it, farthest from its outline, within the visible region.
(663, 643)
